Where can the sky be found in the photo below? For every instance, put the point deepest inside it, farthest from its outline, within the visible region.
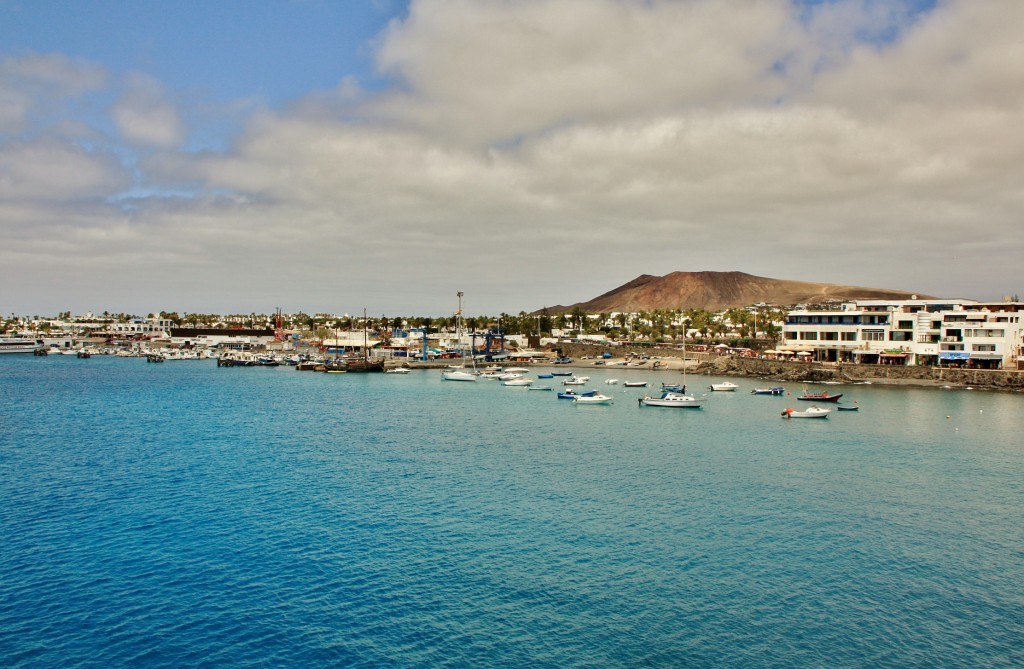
(238, 156)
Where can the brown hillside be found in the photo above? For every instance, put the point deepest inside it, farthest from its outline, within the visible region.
(722, 290)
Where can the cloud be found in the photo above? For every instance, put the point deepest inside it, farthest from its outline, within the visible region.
(527, 142)
(38, 83)
(145, 117)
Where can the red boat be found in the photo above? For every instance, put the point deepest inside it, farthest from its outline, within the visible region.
(820, 397)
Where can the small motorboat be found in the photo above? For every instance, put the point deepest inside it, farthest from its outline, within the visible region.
(596, 398)
(517, 381)
(397, 370)
(820, 397)
(724, 386)
(848, 407)
(576, 381)
(812, 412)
(611, 382)
(538, 387)
(635, 384)
(546, 376)
(776, 390)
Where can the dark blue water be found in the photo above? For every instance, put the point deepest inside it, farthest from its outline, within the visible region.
(183, 515)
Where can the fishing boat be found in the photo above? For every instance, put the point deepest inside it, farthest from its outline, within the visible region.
(724, 386)
(776, 390)
(820, 397)
(813, 412)
(671, 399)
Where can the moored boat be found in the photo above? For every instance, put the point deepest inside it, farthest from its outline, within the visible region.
(820, 397)
(812, 412)
(596, 398)
(724, 386)
(775, 390)
(671, 399)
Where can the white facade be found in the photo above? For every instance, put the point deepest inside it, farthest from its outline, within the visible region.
(911, 332)
(149, 326)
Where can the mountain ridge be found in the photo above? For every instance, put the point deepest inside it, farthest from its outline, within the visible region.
(716, 291)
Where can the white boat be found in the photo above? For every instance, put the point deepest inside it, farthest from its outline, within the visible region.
(611, 382)
(491, 375)
(397, 370)
(508, 376)
(724, 386)
(519, 381)
(635, 384)
(517, 370)
(458, 375)
(576, 381)
(19, 345)
(671, 399)
(597, 398)
(813, 412)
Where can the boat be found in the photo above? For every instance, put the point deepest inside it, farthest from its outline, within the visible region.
(570, 394)
(518, 381)
(611, 382)
(596, 398)
(671, 399)
(814, 411)
(458, 375)
(20, 345)
(561, 373)
(545, 376)
(364, 364)
(724, 386)
(775, 390)
(538, 387)
(848, 407)
(635, 384)
(575, 381)
(820, 397)
(397, 370)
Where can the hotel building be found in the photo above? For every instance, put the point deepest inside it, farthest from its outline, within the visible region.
(966, 333)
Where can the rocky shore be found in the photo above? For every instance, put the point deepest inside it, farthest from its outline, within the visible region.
(812, 372)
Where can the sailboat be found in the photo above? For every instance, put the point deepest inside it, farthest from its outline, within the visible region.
(365, 364)
(673, 397)
(460, 374)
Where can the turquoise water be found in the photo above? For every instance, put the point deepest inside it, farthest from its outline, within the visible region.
(183, 515)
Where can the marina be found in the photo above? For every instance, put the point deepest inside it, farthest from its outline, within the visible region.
(181, 511)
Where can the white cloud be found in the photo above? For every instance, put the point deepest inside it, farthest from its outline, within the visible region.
(598, 139)
(39, 82)
(144, 116)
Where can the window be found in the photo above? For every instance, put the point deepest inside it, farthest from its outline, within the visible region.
(873, 335)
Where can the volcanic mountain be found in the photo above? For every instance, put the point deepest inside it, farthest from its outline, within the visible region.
(722, 290)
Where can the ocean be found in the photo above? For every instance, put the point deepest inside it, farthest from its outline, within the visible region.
(185, 515)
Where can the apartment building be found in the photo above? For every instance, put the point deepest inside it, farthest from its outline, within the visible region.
(911, 332)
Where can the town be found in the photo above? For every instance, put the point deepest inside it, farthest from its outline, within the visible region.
(956, 333)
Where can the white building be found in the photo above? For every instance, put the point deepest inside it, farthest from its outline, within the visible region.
(911, 332)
